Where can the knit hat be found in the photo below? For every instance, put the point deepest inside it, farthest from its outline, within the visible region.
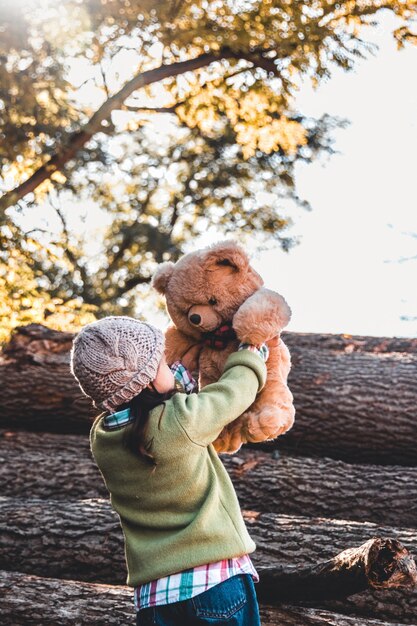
(114, 358)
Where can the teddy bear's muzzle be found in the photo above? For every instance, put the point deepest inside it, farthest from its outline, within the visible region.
(204, 317)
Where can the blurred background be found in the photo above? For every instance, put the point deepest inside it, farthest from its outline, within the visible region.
(132, 132)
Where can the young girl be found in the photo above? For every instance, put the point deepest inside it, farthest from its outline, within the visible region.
(186, 543)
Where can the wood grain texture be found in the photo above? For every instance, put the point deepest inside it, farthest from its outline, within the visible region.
(357, 406)
(31, 600)
(60, 467)
(82, 540)
(352, 404)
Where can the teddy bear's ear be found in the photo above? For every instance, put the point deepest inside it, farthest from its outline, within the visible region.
(226, 254)
(162, 275)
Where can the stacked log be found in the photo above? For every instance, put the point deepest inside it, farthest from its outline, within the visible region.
(355, 400)
(82, 540)
(69, 603)
(264, 482)
(330, 505)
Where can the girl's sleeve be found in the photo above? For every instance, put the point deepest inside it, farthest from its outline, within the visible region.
(202, 416)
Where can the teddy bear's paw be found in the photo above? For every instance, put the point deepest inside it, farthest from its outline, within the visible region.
(261, 317)
(268, 423)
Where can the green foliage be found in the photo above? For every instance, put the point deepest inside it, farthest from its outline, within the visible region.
(40, 41)
(228, 162)
(166, 197)
(23, 299)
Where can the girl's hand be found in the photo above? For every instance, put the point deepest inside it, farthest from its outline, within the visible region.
(262, 350)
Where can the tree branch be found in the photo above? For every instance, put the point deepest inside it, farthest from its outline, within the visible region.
(127, 286)
(103, 76)
(75, 141)
(259, 60)
(69, 252)
(128, 235)
(171, 109)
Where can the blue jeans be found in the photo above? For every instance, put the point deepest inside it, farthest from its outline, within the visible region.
(232, 602)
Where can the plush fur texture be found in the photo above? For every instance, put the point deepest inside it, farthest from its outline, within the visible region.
(207, 288)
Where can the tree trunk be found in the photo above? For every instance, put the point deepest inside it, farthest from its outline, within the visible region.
(83, 540)
(31, 600)
(323, 487)
(292, 541)
(291, 485)
(65, 468)
(357, 406)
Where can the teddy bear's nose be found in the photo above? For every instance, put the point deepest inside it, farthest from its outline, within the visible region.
(195, 319)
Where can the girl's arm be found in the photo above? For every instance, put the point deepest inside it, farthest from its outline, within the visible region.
(202, 416)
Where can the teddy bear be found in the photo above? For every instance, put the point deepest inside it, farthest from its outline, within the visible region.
(216, 300)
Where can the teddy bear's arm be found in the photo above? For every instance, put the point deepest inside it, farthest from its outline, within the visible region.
(261, 317)
(272, 413)
(180, 347)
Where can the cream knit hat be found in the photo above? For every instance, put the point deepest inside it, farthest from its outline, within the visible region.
(114, 358)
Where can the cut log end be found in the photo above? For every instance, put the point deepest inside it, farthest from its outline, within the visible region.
(379, 563)
(390, 565)
(385, 562)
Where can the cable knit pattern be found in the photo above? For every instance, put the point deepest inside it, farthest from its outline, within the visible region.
(114, 358)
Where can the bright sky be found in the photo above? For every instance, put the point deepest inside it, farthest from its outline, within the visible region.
(349, 273)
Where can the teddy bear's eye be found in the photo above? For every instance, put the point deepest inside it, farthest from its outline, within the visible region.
(213, 300)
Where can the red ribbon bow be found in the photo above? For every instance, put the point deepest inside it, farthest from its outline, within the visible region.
(219, 338)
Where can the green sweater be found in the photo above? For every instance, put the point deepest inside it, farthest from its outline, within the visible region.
(184, 513)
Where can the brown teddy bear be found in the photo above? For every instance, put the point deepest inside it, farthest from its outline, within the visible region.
(216, 300)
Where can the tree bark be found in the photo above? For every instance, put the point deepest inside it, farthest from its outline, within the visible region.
(356, 406)
(350, 343)
(48, 466)
(82, 540)
(291, 485)
(28, 600)
(37, 389)
(292, 541)
(323, 487)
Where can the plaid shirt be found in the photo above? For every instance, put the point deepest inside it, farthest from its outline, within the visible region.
(188, 583)
(183, 379)
(191, 582)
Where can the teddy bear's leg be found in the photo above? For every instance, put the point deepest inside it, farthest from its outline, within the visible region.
(267, 421)
(272, 413)
(230, 438)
